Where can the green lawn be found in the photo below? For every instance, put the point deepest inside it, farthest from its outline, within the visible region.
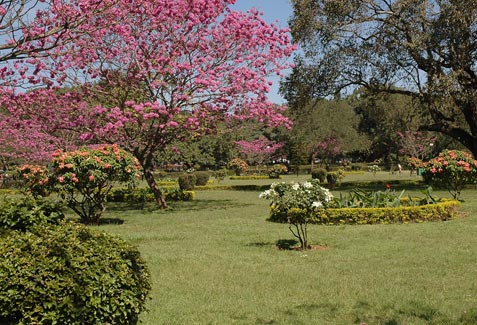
(215, 261)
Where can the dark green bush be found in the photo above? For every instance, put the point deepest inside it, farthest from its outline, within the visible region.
(187, 182)
(320, 174)
(70, 274)
(202, 177)
(23, 213)
(331, 179)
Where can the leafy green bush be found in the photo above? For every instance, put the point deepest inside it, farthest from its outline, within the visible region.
(8, 191)
(187, 181)
(23, 213)
(319, 173)
(202, 177)
(70, 274)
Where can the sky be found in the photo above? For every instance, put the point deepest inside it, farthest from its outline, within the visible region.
(274, 11)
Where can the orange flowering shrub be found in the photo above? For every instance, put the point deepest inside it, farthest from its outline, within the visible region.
(35, 180)
(83, 178)
(238, 165)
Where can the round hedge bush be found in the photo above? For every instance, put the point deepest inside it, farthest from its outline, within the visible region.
(70, 274)
(187, 182)
(23, 213)
(202, 177)
(319, 173)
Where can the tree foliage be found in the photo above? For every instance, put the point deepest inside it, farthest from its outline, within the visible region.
(149, 73)
(424, 50)
(327, 129)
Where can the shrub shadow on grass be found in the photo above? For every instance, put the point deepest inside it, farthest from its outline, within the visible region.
(111, 221)
(282, 244)
(413, 311)
(286, 244)
(195, 205)
(199, 205)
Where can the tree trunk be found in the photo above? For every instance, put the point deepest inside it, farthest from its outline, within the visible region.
(147, 166)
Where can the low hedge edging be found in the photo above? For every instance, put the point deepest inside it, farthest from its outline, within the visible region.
(441, 211)
(252, 177)
(249, 187)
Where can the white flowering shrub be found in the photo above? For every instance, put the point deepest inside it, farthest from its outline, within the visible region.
(295, 203)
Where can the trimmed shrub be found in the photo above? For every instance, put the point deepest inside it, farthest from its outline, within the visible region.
(202, 177)
(23, 213)
(70, 274)
(187, 182)
(319, 174)
(8, 191)
(445, 210)
(331, 179)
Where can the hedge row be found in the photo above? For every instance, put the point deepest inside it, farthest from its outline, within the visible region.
(251, 177)
(442, 211)
(249, 187)
(144, 194)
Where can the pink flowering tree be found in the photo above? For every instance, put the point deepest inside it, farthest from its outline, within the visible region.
(31, 29)
(153, 72)
(38, 123)
(257, 152)
(325, 149)
(416, 144)
(452, 169)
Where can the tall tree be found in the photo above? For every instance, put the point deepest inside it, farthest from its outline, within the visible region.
(328, 128)
(175, 67)
(426, 48)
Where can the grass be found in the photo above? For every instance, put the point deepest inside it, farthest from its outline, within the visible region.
(215, 261)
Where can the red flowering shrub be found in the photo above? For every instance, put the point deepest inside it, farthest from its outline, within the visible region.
(452, 169)
(414, 163)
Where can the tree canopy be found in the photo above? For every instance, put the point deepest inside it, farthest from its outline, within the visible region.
(425, 50)
(147, 73)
